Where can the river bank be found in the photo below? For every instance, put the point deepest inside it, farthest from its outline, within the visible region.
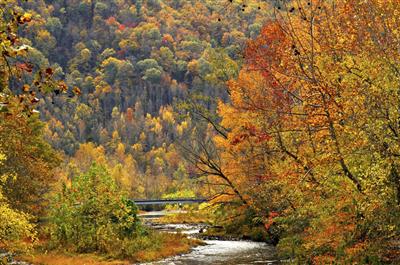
(180, 244)
(157, 247)
(217, 250)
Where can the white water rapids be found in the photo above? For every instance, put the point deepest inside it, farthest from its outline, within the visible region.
(217, 252)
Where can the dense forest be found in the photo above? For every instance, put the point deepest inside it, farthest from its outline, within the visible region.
(132, 61)
(284, 114)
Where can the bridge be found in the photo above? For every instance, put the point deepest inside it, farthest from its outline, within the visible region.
(167, 201)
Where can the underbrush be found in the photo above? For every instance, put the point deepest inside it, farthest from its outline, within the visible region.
(191, 214)
(193, 217)
(220, 225)
(90, 219)
(151, 247)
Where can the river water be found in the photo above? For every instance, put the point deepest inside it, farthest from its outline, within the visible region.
(217, 252)
(214, 252)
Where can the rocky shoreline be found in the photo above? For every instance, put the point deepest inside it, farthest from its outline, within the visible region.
(7, 258)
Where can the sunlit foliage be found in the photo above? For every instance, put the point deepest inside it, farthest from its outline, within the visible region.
(312, 142)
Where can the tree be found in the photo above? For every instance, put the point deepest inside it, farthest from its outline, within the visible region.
(153, 75)
(28, 157)
(302, 130)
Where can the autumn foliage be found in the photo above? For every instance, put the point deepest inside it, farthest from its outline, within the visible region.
(313, 130)
(286, 114)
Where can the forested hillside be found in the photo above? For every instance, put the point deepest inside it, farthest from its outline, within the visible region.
(131, 62)
(283, 114)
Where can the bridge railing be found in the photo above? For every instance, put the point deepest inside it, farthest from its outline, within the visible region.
(168, 201)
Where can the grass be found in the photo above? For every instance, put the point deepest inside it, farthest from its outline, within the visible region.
(156, 247)
(56, 258)
(173, 244)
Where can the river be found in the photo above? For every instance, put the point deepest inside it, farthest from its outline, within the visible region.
(215, 252)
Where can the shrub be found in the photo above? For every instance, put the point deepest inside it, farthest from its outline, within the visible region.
(92, 215)
(14, 225)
